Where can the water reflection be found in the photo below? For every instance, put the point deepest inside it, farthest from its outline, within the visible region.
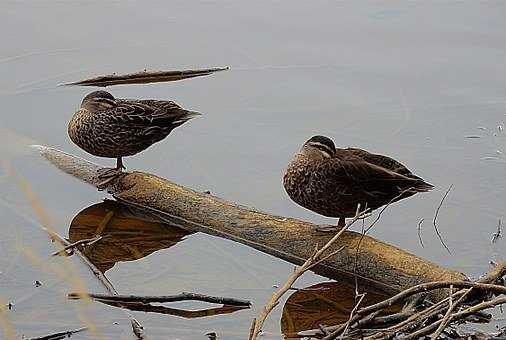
(126, 236)
(129, 235)
(326, 303)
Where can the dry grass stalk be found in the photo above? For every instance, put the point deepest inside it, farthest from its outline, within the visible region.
(44, 219)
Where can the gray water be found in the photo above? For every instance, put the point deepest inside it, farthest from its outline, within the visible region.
(410, 80)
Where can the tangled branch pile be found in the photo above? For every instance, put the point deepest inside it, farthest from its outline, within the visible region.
(420, 318)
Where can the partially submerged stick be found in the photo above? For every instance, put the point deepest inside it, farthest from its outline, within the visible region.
(380, 266)
(164, 298)
(60, 335)
(145, 77)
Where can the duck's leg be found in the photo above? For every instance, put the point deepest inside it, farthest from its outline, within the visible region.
(119, 164)
(110, 174)
(332, 228)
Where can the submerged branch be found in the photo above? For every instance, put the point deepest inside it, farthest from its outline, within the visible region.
(163, 298)
(60, 335)
(145, 77)
(421, 317)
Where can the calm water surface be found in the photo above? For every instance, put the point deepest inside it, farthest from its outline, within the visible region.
(408, 80)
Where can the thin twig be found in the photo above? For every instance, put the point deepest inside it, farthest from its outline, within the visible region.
(435, 219)
(425, 287)
(164, 298)
(364, 231)
(406, 320)
(458, 316)
(316, 256)
(85, 242)
(419, 230)
(361, 297)
(448, 316)
(384, 208)
(498, 234)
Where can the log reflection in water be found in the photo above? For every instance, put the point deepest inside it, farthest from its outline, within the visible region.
(326, 303)
(184, 313)
(128, 235)
(125, 236)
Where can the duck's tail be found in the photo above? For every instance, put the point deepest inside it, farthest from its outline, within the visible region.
(422, 186)
(186, 116)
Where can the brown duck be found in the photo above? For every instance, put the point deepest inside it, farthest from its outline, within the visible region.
(333, 181)
(110, 127)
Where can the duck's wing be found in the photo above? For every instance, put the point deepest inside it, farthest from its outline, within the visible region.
(152, 119)
(154, 112)
(357, 171)
(359, 180)
(380, 160)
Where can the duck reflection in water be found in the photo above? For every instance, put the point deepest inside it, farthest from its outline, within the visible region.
(326, 303)
(128, 235)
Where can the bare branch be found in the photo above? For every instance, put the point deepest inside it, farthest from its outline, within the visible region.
(435, 219)
(419, 230)
(299, 271)
(448, 316)
(60, 335)
(84, 242)
(163, 298)
(498, 234)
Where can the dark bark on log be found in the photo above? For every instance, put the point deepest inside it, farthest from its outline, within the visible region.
(379, 266)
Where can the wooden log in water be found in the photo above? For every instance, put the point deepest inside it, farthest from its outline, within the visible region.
(378, 266)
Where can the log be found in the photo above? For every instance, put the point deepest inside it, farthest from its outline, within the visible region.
(378, 266)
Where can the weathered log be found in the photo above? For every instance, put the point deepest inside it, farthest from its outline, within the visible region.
(378, 266)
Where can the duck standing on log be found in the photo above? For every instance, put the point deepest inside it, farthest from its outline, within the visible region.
(332, 181)
(110, 127)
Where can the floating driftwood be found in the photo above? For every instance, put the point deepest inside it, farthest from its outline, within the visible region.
(145, 77)
(378, 266)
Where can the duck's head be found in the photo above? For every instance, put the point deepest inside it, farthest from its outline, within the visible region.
(98, 100)
(319, 146)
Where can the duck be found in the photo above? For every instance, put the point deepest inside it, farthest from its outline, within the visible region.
(333, 181)
(110, 127)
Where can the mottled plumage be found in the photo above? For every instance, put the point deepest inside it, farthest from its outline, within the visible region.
(108, 127)
(332, 181)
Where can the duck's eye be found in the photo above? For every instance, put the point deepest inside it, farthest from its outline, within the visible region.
(323, 148)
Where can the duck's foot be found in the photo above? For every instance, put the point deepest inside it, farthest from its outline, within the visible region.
(107, 175)
(327, 228)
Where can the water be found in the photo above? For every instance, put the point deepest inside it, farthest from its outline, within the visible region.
(402, 79)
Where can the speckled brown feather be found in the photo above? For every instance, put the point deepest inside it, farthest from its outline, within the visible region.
(334, 186)
(123, 127)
